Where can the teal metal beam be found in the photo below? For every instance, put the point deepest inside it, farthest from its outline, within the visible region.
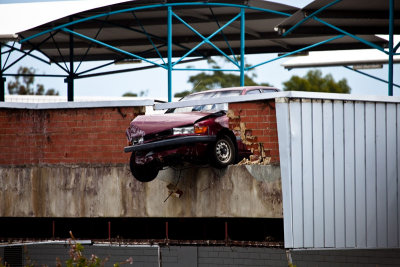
(207, 40)
(242, 46)
(111, 47)
(310, 16)
(370, 76)
(396, 47)
(129, 70)
(169, 54)
(223, 35)
(351, 35)
(144, 33)
(297, 51)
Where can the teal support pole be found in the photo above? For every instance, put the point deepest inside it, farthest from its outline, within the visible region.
(391, 52)
(242, 46)
(169, 54)
(2, 79)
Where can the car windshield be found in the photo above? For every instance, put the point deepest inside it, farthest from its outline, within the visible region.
(206, 95)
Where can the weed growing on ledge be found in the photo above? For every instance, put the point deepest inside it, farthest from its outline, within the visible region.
(76, 258)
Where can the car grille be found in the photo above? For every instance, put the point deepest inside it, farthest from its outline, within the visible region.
(158, 135)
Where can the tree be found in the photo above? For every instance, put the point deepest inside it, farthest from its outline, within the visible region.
(130, 94)
(141, 93)
(314, 82)
(24, 84)
(217, 79)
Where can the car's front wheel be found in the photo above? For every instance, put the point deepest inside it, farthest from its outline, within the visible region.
(144, 172)
(223, 152)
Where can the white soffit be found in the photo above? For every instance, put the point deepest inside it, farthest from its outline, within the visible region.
(339, 58)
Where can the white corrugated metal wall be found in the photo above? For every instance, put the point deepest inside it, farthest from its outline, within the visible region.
(340, 165)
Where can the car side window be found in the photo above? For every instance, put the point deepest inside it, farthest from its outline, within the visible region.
(252, 92)
(268, 91)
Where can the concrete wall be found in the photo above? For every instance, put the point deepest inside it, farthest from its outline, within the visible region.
(206, 256)
(109, 190)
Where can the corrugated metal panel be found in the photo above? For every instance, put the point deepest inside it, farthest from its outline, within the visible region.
(340, 173)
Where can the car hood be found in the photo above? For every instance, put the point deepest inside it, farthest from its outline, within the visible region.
(149, 124)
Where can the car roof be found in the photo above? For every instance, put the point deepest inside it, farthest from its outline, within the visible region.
(239, 88)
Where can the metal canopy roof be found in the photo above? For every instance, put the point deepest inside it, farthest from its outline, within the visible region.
(140, 31)
(156, 31)
(353, 16)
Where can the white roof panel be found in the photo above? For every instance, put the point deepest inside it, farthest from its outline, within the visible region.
(339, 58)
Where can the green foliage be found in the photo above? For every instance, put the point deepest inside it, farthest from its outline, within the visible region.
(24, 84)
(314, 82)
(182, 94)
(130, 94)
(217, 79)
(141, 93)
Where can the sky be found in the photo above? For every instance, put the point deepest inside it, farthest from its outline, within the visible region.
(154, 81)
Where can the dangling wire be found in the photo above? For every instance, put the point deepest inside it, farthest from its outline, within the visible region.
(175, 186)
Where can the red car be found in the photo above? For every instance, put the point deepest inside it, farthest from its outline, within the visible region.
(198, 135)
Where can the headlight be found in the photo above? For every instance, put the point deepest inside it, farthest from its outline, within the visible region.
(183, 130)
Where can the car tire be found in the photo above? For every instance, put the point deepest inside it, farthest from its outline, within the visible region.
(223, 152)
(144, 172)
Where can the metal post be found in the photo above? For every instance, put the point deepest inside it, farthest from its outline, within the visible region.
(169, 54)
(70, 79)
(242, 45)
(166, 233)
(54, 230)
(226, 234)
(109, 231)
(2, 80)
(391, 19)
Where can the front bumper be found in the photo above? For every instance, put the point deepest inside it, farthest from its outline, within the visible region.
(183, 140)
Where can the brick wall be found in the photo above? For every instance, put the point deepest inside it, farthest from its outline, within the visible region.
(79, 135)
(256, 122)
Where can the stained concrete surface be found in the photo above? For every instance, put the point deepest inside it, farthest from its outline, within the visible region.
(110, 191)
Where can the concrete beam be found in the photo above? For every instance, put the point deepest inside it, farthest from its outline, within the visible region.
(111, 191)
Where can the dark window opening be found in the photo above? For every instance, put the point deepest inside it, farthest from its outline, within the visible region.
(183, 229)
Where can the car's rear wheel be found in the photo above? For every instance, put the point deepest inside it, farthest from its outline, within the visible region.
(144, 172)
(223, 152)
